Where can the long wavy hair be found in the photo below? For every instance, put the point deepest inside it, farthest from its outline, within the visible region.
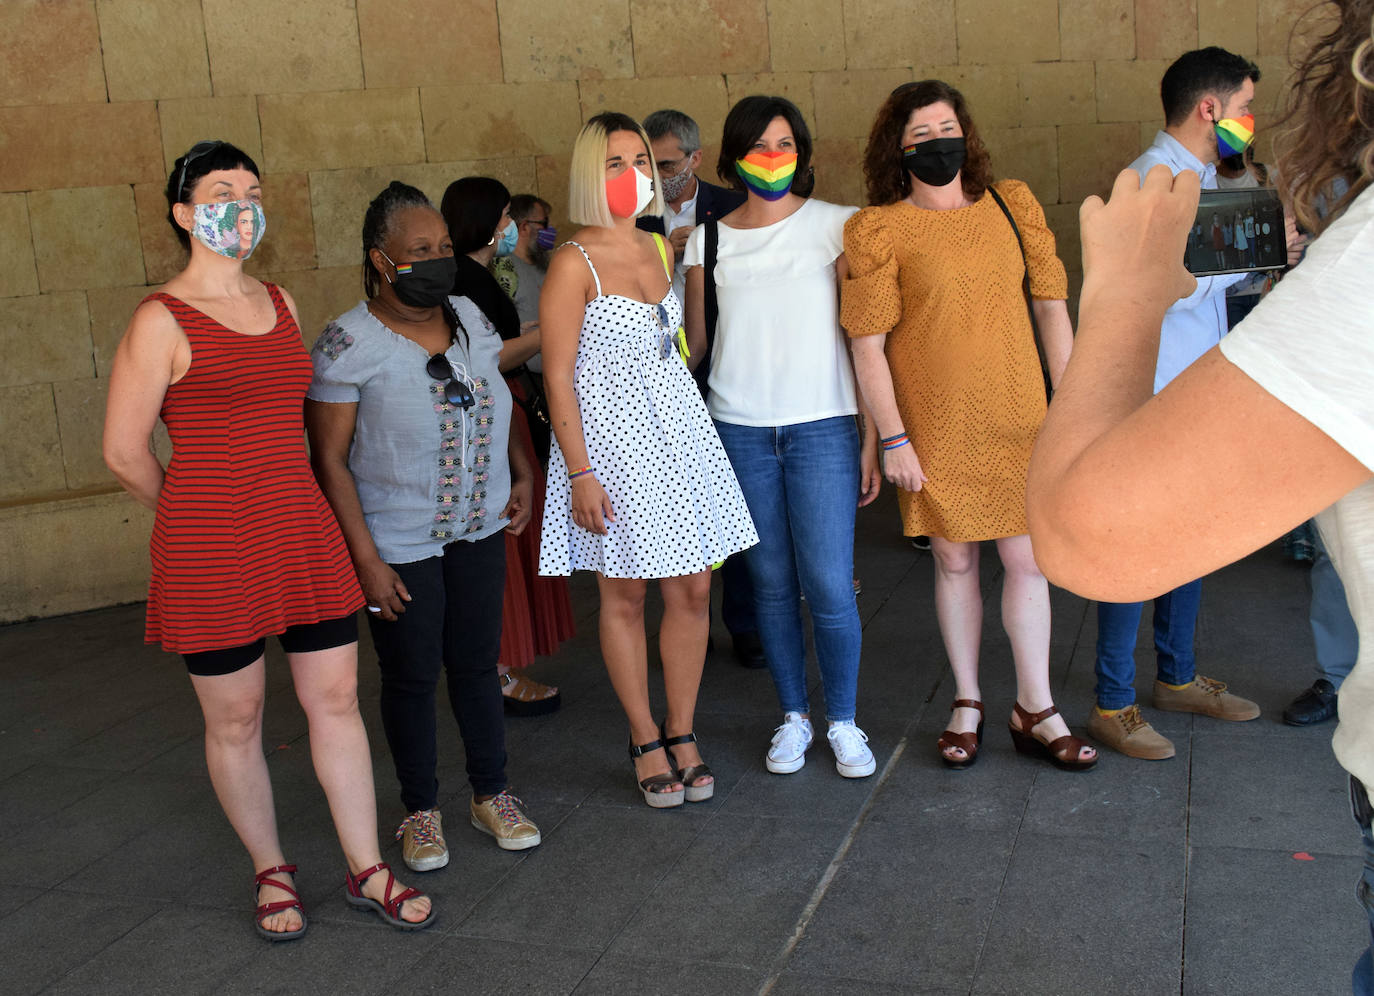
(887, 180)
(1327, 131)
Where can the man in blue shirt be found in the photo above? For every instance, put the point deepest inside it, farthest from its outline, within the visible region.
(1200, 91)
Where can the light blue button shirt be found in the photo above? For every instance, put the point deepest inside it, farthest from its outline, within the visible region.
(1196, 323)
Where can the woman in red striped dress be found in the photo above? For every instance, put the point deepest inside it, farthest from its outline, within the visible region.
(244, 545)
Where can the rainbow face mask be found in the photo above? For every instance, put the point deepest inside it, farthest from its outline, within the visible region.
(768, 174)
(1234, 135)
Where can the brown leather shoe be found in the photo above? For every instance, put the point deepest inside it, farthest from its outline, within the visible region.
(1127, 732)
(1207, 697)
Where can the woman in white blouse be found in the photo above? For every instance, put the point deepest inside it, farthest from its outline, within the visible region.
(783, 399)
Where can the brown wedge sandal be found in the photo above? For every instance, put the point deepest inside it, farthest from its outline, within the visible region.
(966, 742)
(1062, 753)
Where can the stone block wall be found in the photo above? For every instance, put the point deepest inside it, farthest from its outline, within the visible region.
(334, 98)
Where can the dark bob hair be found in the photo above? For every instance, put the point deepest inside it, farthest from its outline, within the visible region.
(886, 178)
(189, 169)
(749, 119)
(471, 208)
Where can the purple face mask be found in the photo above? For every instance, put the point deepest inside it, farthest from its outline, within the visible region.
(546, 237)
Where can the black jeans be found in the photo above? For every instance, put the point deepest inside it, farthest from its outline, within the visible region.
(453, 622)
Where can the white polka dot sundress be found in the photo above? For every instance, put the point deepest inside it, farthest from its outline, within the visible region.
(678, 507)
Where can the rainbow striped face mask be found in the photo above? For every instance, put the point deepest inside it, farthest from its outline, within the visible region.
(1234, 135)
(768, 174)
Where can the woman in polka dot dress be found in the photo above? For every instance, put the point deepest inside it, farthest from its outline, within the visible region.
(638, 484)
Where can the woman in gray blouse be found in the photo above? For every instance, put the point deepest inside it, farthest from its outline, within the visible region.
(409, 422)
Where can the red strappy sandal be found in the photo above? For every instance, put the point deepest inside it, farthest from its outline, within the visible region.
(966, 742)
(1064, 752)
(390, 910)
(265, 910)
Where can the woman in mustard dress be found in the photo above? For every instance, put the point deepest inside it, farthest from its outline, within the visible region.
(946, 358)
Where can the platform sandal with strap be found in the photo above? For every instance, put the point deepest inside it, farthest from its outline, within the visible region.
(697, 781)
(966, 742)
(1063, 752)
(657, 789)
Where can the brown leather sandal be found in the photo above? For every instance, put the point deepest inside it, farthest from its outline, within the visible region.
(524, 696)
(966, 742)
(1062, 752)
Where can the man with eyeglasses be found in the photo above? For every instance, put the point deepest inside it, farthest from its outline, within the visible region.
(688, 200)
(521, 274)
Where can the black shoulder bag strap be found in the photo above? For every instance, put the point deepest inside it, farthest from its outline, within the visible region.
(1025, 289)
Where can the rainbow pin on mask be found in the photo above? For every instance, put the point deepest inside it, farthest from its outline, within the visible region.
(1234, 135)
(768, 174)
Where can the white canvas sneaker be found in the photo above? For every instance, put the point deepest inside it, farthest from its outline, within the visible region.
(790, 740)
(853, 759)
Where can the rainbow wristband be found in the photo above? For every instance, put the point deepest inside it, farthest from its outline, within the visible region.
(895, 442)
(578, 473)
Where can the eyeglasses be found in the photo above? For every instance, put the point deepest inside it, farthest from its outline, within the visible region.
(456, 392)
(192, 154)
(671, 167)
(541, 222)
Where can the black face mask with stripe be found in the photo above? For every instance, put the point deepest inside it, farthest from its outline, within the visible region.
(424, 283)
(936, 161)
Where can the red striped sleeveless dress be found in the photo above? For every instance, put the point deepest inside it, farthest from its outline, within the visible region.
(244, 543)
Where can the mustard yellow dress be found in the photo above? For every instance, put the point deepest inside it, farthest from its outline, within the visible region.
(945, 286)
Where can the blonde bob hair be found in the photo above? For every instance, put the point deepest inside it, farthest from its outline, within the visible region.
(587, 177)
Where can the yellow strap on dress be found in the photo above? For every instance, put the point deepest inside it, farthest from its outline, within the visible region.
(679, 337)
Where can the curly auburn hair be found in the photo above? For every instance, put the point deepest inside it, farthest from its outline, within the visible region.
(1327, 130)
(884, 175)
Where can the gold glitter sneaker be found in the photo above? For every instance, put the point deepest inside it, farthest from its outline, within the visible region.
(503, 816)
(422, 841)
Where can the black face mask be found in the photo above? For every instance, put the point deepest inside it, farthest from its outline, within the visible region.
(936, 161)
(424, 283)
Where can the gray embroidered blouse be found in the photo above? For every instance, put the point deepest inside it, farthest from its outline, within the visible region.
(428, 472)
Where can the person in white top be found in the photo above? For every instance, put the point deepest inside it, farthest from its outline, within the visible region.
(1116, 475)
(783, 399)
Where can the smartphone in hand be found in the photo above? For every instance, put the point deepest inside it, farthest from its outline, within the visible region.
(1237, 231)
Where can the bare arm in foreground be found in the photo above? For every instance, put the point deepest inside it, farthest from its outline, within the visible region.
(1128, 495)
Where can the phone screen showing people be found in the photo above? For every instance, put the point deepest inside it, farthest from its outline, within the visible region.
(1236, 231)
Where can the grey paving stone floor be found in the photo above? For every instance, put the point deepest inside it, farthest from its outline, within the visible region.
(1228, 869)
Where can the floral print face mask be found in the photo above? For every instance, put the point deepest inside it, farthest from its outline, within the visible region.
(230, 228)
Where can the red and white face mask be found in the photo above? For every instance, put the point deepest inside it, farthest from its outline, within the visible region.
(629, 193)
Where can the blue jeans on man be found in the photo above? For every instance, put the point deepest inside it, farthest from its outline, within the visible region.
(1116, 722)
(1175, 619)
(1334, 638)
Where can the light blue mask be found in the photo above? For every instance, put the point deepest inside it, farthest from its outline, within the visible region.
(509, 236)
